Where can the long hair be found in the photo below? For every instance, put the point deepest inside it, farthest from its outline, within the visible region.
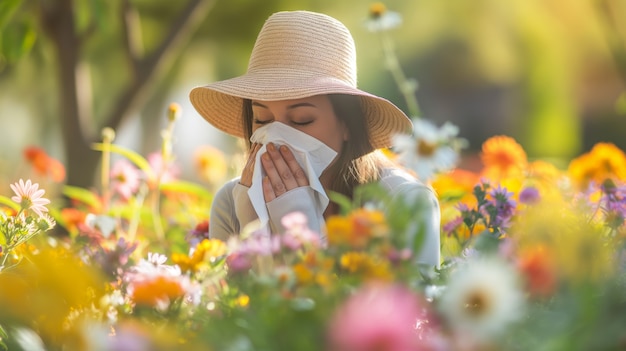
(357, 163)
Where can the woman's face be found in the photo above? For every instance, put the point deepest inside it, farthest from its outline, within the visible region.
(312, 115)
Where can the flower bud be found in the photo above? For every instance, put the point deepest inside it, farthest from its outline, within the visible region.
(173, 112)
(108, 135)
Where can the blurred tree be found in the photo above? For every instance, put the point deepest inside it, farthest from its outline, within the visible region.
(72, 28)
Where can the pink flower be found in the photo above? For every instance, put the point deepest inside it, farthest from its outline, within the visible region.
(167, 171)
(125, 178)
(297, 232)
(29, 196)
(381, 317)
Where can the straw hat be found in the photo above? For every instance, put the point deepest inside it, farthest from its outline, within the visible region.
(298, 54)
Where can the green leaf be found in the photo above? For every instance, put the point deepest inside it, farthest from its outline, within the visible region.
(345, 205)
(7, 10)
(181, 186)
(10, 203)
(83, 195)
(17, 40)
(131, 155)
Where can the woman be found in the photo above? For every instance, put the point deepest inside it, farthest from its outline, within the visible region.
(301, 83)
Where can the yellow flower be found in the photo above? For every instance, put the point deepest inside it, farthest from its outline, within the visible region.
(43, 290)
(304, 274)
(458, 185)
(211, 249)
(579, 248)
(243, 300)
(211, 164)
(324, 279)
(605, 160)
(207, 250)
(389, 154)
(357, 229)
(503, 157)
(366, 266)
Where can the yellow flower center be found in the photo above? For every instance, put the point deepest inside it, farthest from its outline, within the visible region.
(426, 149)
(377, 9)
(477, 304)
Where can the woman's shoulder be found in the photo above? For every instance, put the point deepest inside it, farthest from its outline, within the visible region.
(226, 190)
(397, 180)
(395, 176)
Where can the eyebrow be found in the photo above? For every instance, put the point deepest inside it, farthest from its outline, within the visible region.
(290, 107)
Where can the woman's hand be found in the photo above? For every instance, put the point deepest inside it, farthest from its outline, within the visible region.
(283, 172)
(248, 169)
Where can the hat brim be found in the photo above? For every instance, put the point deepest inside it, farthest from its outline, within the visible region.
(221, 103)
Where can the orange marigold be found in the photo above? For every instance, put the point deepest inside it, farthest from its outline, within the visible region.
(604, 161)
(503, 157)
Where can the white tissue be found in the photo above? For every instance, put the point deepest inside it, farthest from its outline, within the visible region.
(312, 155)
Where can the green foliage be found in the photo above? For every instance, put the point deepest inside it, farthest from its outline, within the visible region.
(18, 40)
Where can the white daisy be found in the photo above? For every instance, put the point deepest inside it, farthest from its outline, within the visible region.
(380, 19)
(430, 149)
(482, 299)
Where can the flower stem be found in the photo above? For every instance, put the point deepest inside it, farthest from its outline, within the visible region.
(407, 87)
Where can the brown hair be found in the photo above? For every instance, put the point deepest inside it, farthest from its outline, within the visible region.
(357, 163)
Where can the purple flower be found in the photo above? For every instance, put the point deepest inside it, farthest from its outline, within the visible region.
(451, 226)
(501, 207)
(529, 195)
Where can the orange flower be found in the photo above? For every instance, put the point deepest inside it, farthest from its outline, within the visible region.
(43, 164)
(357, 229)
(154, 291)
(72, 218)
(210, 164)
(503, 157)
(537, 265)
(605, 160)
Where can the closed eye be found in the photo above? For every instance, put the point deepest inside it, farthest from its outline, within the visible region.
(258, 121)
(302, 123)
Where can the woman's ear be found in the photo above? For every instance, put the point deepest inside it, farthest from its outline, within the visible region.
(346, 132)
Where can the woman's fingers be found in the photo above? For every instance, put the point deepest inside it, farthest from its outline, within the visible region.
(277, 171)
(294, 166)
(283, 172)
(268, 190)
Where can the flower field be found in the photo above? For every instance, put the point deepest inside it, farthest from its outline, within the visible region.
(532, 259)
(533, 254)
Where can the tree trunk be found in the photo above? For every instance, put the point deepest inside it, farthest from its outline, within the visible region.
(58, 22)
(81, 160)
